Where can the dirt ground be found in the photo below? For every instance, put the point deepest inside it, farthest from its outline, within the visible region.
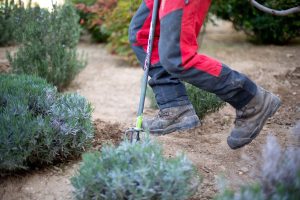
(112, 86)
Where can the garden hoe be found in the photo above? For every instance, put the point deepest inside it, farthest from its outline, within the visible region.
(133, 134)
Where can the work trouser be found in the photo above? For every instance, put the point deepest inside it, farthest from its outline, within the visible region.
(175, 57)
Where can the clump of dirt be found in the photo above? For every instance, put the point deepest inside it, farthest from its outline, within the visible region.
(107, 133)
(4, 67)
(294, 74)
(290, 94)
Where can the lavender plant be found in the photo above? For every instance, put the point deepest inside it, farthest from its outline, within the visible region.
(279, 177)
(48, 43)
(39, 125)
(203, 102)
(7, 25)
(134, 171)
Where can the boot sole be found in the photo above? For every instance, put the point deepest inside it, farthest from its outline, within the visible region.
(191, 122)
(275, 104)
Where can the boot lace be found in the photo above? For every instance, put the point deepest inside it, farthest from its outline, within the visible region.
(162, 114)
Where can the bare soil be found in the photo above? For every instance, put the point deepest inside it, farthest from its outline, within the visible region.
(4, 64)
(112, 86)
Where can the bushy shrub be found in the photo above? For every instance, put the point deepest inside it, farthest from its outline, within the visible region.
(279, 176)
(7, 25)
(258, 25)
(134, 171)
(86, 2)
(203, 102)
(38, 125)
(48, 44)
(92, 16)
(151, 96)
(117, 25)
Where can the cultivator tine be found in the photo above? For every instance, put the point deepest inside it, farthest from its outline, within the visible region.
(133, 134)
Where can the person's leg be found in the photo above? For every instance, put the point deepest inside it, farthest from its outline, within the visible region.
(176, 111)
(169, 90)
(180, 25)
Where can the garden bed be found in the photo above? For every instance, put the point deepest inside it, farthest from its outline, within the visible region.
(113, 89)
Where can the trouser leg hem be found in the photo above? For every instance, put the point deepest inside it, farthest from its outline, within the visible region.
(246, 96)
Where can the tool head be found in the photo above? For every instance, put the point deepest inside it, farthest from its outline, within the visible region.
(133, 134)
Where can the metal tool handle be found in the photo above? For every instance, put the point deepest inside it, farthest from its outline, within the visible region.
(147, 64)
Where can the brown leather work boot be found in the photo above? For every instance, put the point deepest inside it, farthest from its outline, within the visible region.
(252, 117)
(172, 119)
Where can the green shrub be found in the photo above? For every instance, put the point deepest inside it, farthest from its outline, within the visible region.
(203, 102)
(7, 25)
(38, 125)
(117, 25)
(86, 2)
(279, 176)
(92, 16)
(251, 192)
(134, 171)
(48, 44)
(260, 26)
(151, 96)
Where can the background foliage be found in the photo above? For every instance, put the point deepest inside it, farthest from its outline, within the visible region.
(7, 24)
(203, 102)
(92, 16)
(134, 171)
(108, 21)
(38, 125)
(117, 25)
(86, 2)
(260, 26)
(48, 44)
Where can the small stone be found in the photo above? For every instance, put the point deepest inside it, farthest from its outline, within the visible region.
(205, 182)
(289, 55)
(294, 93)
(222, 168)
(240, 173)
(244, 169)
